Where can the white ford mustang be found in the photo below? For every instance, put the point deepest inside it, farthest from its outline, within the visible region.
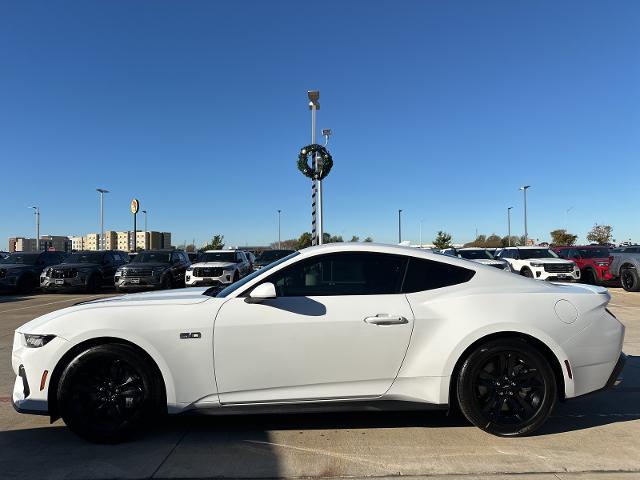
(341, 326)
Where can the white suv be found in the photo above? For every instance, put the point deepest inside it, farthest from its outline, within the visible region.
(539, 263)
(217, 267)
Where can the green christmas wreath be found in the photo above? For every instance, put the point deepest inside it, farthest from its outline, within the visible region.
(325, 162)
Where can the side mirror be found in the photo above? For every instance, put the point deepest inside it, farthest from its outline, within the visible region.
(262, 292)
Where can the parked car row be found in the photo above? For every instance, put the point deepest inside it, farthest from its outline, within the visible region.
(89, 271)
(592, 264)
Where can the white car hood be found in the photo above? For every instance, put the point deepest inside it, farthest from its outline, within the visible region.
(488, 261)
(185, 296)
(214, 264)
(548, 260)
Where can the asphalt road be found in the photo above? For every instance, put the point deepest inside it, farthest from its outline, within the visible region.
(594, 437)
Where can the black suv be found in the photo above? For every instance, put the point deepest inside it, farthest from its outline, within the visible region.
(20, 272)
(86, 271)
(269, 256)
(159, 269)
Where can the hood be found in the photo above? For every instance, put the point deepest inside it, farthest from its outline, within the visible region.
(185, 296)
(214, 264)
(144, 266)
(78, 266)
(488, 261)
(549, 260)
(19, 266)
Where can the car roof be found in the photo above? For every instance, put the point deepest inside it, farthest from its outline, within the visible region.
(531, 247)
(220, 251)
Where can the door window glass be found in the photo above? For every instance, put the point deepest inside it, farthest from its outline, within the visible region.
(341, 274)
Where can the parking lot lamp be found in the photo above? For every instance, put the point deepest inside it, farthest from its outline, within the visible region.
(279, 239)
(145, 229)
(36, 212)
(509, 225)
(399, 226)
(524, 189)
(102, 191)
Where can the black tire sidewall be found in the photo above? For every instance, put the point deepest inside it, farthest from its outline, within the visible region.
(526, 272)
(466, 396)
(79, 424)
(636, 281)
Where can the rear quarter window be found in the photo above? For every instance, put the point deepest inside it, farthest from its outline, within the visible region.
(425, 275)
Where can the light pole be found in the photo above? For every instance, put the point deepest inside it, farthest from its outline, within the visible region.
(279, 239)
(145, 230)
(422, 220)
(102, 191)
(399, 226)
(509, 225)
(316, 187)
(524, 188)
(36, 212)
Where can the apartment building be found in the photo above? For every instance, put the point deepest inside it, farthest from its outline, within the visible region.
(47, 242)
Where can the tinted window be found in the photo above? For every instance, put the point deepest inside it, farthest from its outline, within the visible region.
(428, 275)
(341, 274)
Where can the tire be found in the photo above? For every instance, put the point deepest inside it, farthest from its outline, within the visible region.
(589, 277)
(25, 284)
(90, 402)
(236, 276)
(506, 387)
(166, 283)
(629, 279)
(525, 272)
(93, 284)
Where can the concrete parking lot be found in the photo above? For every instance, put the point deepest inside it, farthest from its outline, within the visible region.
(594, 437)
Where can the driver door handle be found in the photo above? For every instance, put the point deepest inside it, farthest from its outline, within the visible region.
(384, 319)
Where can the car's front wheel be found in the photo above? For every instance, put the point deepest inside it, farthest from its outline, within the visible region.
(107, 392)
(506, 387)
(525, 272)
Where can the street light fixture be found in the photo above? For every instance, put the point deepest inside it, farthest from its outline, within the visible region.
(524, 189)
(399, 226)
(509, 224)
(102, 191)
(279, 239)
(36, 212)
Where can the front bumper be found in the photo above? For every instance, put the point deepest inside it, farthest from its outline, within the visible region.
(224, 279)
(539, 273)
(59, 284)
(138, 283)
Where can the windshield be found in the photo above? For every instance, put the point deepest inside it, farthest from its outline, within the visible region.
(526, 253)
(21, 258)
(269, 256)
(594, 252)
(84, 258)
(216, 292)
(152, 257)
(227, 257)
(475, 254)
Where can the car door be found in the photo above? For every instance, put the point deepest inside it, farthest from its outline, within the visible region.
(339, 328)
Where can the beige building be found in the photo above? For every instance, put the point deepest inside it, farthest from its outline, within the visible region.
(111, 240)
(93, 241)
(123, 240)
(78, 243)
(47, 242)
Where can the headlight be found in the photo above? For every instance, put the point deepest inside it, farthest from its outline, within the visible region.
(37, 341)
(537, 264)
(190, 269)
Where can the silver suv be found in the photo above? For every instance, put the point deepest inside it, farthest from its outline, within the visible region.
(624, 264)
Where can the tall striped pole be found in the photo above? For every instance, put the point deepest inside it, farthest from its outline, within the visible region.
(316, 185)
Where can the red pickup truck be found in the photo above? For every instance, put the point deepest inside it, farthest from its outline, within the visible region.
(592, 260)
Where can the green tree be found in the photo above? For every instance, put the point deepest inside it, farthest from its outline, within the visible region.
(562, 237)
(514, 241)
(442, 240)
(217, 243)
(355, 238)
(368, 240)
(190, 248)
(289, 244)
(304, 241)
(600, 234)
(328, 238)
(493, 241)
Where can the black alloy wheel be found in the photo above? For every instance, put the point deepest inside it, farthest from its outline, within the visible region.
(107, 392)
(629, 279)
(507, 388)
(526, 273)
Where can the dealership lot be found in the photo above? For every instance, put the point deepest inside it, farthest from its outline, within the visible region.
(596, 436)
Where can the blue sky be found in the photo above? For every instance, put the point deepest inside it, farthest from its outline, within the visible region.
(442, 109)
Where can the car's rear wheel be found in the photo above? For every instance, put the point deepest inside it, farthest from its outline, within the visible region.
(236, 276)
(26, 284)
(506, 387)
(630, 280)
(107, 392)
